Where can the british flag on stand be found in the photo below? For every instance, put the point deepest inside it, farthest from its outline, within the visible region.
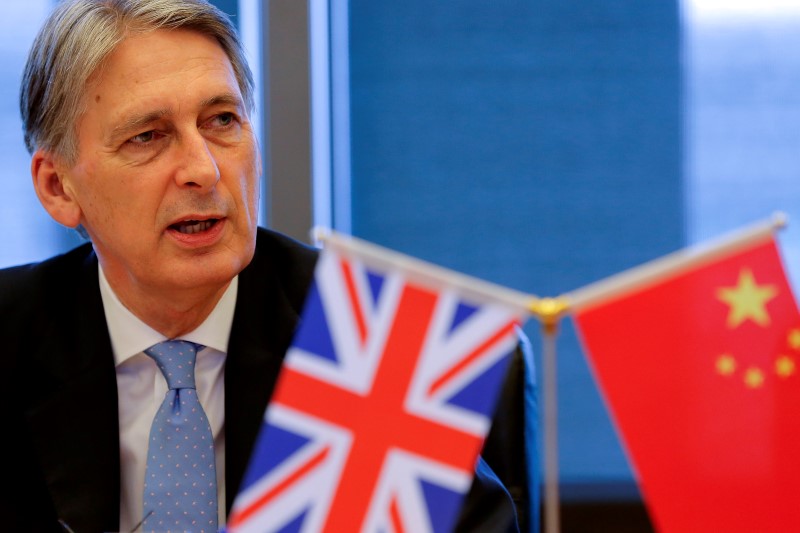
(384, 400)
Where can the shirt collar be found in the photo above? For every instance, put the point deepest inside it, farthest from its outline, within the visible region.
(129, 335)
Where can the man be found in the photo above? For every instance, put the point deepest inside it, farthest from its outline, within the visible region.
(136, 113)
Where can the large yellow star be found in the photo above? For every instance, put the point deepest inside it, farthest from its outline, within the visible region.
(747, 300)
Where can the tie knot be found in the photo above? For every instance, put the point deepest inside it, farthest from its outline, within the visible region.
(176, 360)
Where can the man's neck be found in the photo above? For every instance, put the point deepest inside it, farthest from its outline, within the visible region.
(172, 312)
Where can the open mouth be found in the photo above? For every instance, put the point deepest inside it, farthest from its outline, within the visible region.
(189, 227)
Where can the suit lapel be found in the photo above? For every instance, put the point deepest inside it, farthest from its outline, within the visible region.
(73, 421)
(263, 325)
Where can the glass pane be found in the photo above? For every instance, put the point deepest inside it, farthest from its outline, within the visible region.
(743, 70)
(29, 233)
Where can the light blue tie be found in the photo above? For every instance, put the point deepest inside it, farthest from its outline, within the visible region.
(180, 486)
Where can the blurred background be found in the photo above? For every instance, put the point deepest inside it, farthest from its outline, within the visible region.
(540, 144)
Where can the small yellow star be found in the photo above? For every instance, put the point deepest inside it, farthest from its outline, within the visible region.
(754, 378)
(784, 366)
(794, 339)
(726, 364)
(747, 300)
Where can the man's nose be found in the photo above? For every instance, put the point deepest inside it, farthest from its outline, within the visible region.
(197, 167)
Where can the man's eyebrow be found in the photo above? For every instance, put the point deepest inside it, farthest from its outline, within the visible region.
(223, 99)
(136, 122)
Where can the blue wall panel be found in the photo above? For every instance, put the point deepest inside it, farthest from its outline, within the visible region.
(532, 143)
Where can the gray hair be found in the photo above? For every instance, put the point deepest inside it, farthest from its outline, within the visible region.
(80, 35)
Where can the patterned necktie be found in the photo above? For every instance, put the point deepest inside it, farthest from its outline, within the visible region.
(180, 487)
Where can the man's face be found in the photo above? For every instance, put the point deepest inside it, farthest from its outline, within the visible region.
(168, 166)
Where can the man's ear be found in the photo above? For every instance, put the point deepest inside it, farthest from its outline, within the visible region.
(54, 190)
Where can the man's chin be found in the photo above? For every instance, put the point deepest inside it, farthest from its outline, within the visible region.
(215, 270)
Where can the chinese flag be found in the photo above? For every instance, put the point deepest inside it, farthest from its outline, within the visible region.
(699, 365)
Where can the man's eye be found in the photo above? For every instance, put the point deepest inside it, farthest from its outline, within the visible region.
(224, 119)
(144, 137)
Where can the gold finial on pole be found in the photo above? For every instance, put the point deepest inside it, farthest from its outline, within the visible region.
(549, 312)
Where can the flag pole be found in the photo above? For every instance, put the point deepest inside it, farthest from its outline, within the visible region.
(549, 312)
(423, 272)
(672, 264)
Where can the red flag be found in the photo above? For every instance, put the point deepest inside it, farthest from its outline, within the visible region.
(698, 361)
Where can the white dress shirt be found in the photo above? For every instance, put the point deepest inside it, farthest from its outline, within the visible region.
(141, 388)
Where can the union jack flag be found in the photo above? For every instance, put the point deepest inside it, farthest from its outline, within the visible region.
(382, 405)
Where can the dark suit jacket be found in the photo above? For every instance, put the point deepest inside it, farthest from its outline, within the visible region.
(59, 400)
